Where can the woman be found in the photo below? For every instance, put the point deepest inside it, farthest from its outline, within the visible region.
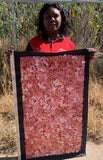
(52, 27)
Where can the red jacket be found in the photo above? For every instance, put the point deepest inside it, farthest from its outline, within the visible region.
(60, 44)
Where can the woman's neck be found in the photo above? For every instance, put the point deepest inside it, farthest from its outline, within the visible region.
(53, 36)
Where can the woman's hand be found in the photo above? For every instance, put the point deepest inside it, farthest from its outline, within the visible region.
(9, 52)
(92, 52)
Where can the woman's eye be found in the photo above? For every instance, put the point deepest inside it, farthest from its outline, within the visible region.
(56, 16)
(47, 17)
(50, 17)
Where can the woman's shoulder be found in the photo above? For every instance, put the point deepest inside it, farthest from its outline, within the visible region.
(35, 39)
(67, 38)
(69, 42)
(35, 43)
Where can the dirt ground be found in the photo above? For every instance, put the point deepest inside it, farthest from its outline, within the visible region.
(93, 152)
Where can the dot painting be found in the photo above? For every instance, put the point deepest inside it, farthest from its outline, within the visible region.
(53, 100)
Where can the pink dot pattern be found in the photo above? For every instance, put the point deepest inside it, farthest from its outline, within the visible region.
(52, 93)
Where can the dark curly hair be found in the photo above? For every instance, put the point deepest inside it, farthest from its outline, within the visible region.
(65, 24)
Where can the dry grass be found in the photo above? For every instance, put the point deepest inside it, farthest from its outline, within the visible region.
(95, 105)
(95, 112)
(7, 126)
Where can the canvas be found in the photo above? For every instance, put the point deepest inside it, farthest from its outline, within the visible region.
(52, 103)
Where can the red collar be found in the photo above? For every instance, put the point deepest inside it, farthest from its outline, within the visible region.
(59, 38)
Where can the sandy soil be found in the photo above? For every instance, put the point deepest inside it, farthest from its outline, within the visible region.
(93, 151)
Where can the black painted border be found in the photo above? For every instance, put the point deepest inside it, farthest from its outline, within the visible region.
(17, 55)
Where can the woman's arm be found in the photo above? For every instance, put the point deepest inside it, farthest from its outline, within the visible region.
(29, 47)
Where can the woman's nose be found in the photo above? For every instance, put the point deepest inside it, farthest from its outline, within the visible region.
(52, 19)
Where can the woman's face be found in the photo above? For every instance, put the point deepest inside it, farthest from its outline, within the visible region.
(52, 20)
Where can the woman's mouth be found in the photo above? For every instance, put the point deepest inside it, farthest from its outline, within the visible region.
(52, 24)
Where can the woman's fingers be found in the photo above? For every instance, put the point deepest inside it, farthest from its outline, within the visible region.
(92, 52)
(9, 52)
